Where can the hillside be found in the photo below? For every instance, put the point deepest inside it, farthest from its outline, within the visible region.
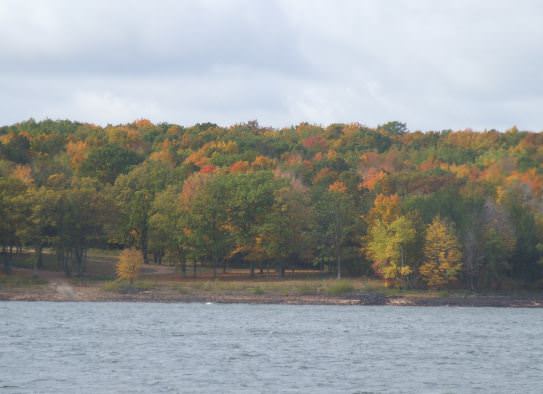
(435, 209)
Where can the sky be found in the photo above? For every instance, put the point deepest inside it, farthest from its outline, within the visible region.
(431, 64)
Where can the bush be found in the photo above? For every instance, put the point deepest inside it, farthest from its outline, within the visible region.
(129, 265)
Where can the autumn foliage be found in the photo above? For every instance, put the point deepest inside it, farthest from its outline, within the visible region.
(433, 209)
(129, 265)
(442, 255)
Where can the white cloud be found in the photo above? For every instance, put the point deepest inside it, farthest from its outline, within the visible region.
(431, 64)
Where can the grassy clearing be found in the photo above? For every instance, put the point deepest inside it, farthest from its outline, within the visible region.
(100, 266)
(16, 281)
(27, 260)
(277, 288)
(100, 272)
(120, 286)
(258, 291)
(303, 287)
(111, 254)
(340, 287)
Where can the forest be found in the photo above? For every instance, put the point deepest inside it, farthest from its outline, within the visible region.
(434, 209)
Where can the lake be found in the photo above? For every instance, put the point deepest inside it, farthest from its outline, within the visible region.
(145, 347)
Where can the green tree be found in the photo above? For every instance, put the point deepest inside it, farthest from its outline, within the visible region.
(82, 215)
(488, 246)
(210, 231)
(17, 149)
(394, 127)
(135, 193)
(11, 207)
(109, 161)
(286, 233)
(169, 226)
(249, 199)
(38, 227)
(499, 242)
(336, 223)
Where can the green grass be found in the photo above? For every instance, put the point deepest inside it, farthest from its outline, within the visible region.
(330, 287)
(310, 288)
(183, 290)
(340, 287)
(27, 260)
(258, 290)
(16, 281)
(95, 278)
(112, 254)
(121, 286)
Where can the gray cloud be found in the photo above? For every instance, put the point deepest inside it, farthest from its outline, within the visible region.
(431, 64)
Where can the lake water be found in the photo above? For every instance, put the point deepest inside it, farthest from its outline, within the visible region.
(140, 347)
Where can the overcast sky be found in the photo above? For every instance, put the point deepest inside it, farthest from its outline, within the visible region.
(432, 64)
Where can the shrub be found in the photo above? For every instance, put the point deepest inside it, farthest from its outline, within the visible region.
(129, 265)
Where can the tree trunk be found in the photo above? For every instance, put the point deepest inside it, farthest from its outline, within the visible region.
(84, 263)
(280, 270)
(144, 256)
(38, 262)
(63, 261)
(78, 255)
(338, 260)
(252, 266)
(7, 264)
(39, 257)
(6, 260)
(60, 262)
(183, 265)
(66, 263)
(143, 246)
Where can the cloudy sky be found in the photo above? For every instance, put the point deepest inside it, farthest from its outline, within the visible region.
(431, 64)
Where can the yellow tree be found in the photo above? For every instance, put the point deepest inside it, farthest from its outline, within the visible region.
(442, 254)
(389, 238)
(128, 267)
(387, 245)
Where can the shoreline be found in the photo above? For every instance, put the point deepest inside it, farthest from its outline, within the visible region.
(89, 294)
(163, 288)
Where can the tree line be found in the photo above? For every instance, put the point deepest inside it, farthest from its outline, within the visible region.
(419, 209)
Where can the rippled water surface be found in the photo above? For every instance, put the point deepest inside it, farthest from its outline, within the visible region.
(139, 347)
